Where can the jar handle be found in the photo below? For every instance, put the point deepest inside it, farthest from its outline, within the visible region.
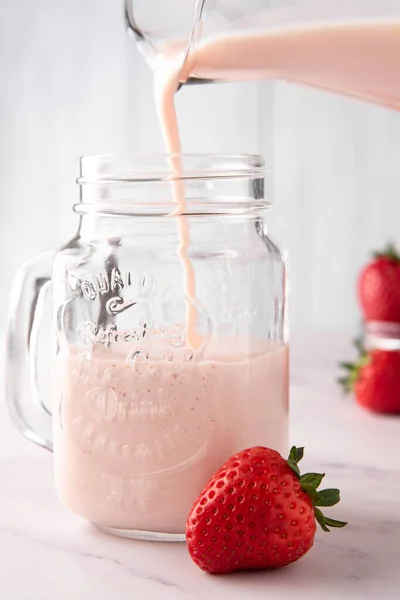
(28, 297)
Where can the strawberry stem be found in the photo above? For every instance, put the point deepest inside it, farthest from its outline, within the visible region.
(310, 483)
(389, 253)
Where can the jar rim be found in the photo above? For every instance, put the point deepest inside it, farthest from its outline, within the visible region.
(382, 335)
(147, 168)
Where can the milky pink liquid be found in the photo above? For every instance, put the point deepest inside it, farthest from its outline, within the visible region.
(359, 59)
(135, 442)
(165, 86)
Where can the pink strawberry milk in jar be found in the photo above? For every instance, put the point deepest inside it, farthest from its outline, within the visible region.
(170, 348)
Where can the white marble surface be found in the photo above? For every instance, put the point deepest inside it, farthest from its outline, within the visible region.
(47, 553)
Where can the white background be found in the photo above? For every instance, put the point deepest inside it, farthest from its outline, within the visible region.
(71, 82)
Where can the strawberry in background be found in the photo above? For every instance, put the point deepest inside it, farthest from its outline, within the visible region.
(379, 287)
(374, 379)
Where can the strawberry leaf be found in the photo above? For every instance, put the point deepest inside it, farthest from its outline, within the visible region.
(334, 523)
(295, 456)
(309, 484)
(345, 383)
(358, 344)
(311, 492)
(321, 519)
(347, 366)
(352, 370)
(299, 454)
(313, 479)
(294, 467)
(328, 498)
(325, 522)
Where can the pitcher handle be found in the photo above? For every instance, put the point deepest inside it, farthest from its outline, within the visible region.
(30, 285)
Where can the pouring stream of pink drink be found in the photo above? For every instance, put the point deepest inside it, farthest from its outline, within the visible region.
(359, 59)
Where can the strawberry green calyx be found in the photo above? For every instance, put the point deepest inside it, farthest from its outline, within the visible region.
(352, 370)
(310, 483)
(390, 253)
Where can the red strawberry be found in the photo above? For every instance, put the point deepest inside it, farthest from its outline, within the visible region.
(374, 379)
(257, 512)
(379, 287)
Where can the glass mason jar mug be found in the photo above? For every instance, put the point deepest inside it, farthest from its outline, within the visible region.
(170, 350)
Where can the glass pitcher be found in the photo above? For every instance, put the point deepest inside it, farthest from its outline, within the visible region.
(345, 46)
(139, 420)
